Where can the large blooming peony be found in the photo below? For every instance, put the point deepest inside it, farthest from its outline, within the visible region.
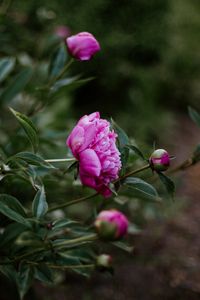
(94, 145)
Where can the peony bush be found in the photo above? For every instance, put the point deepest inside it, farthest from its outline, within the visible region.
(39, 235)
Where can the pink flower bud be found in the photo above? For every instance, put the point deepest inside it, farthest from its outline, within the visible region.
(159, 160)
(103, 262)
(82, 46)
(93, 144)
(62, 31)
(111, 224)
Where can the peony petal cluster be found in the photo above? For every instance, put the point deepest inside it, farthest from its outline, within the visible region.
(82, 46)
(111, 224)
(93, 144)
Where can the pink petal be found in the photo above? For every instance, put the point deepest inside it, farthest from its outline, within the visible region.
(89, 135)
(89, 163)
(76, 139)
(87, 180)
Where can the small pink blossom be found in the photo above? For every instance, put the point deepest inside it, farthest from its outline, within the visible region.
(82, 46)
(111, 224)
(93, 144)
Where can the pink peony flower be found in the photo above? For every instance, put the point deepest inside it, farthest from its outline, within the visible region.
(62, 31)
(93, 144)
(111, 224)
(82, 46)
(159, 160)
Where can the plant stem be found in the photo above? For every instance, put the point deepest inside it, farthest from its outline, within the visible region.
(90, 237)
(26, 255)
(72, 202)
(70, 267)
(86, 238)
(60, 160)
(95, 194)
(132, 173)
(62, 267)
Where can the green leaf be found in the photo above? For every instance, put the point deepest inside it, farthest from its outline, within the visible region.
(43, 273)
(64, 244)
(72, 167)
(133, 229)
(168, 183)
(194, 115)
(86, 255)
(196, 155)
(69, 83)
(9, 271)
(58, 61)
(63, 223)
(28, 127)
(6, 66)
(13, 203)
(63, 83)
(123, 246)
(12, 209)
(123, 141)
(122, 136)
(10, 234)
(65, 259)
(31, 159)
(40, 206)
(17, 85)
(29, 238)
(84, 271)
(25, 278)
(136, 150)
(142, 188)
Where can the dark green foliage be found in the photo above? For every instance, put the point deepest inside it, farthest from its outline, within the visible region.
(11, 207)
(194, 115)
(6, 66)
(16, 85)
(123, 141)
(196, 154)
(39, 206)
(136, 150)
(58, 60)
(28, 127)
(168, 183)
(142, 189)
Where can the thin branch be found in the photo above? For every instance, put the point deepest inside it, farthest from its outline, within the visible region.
(60, 160)
(132, 173)
(72, 202)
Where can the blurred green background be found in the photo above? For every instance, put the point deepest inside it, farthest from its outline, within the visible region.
(145, 76)
(147, 70)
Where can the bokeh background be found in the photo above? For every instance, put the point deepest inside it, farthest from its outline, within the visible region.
(145, 76)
